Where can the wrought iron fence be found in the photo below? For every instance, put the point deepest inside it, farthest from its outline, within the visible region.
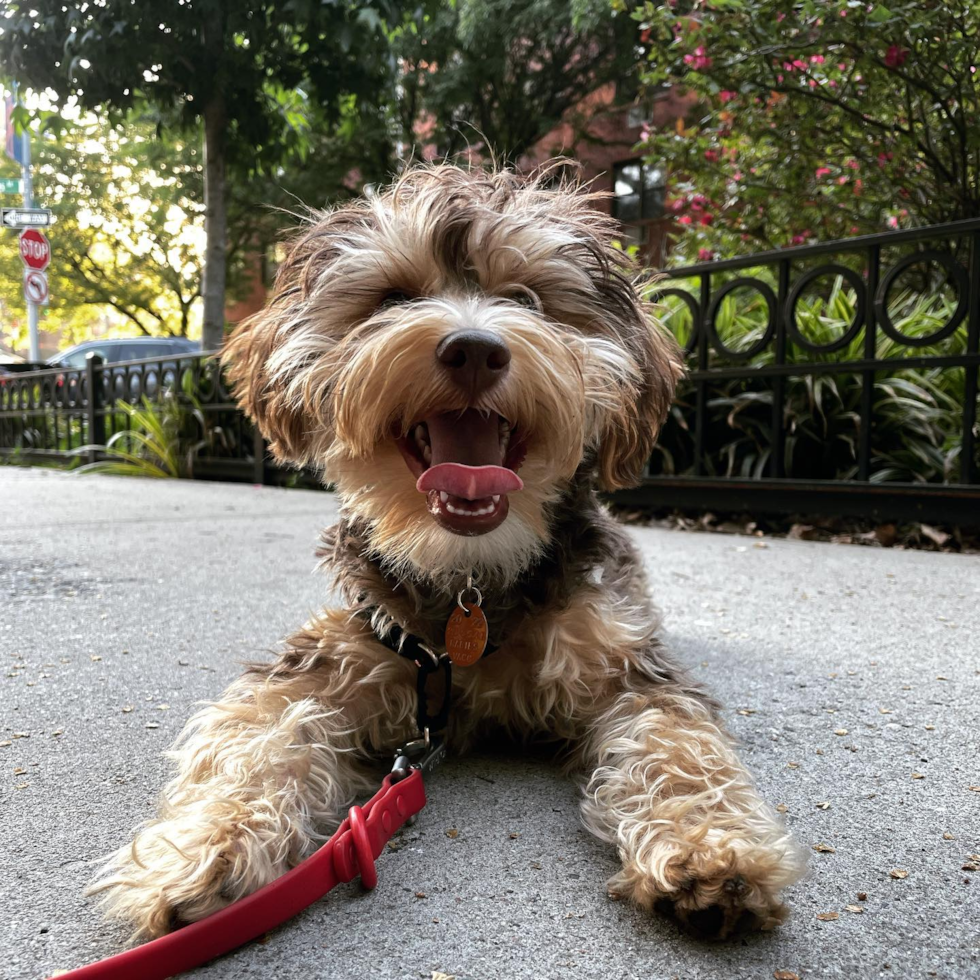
(66, 415)
(838, 378)
(869, 408)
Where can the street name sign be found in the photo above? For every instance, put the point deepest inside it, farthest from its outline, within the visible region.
(11, 185)
(25, 217)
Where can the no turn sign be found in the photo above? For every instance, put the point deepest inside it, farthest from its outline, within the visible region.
(36, 287)
(35, 250)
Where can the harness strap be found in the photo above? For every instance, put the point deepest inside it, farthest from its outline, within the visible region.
(352, 850)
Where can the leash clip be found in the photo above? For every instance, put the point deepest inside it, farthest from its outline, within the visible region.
(421, 753)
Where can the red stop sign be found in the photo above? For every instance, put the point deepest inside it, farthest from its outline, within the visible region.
(35, 250)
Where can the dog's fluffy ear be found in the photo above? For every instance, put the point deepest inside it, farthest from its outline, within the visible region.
(270, 355)
(631, 428)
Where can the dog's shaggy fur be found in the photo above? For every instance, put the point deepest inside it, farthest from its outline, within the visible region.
(340, 366)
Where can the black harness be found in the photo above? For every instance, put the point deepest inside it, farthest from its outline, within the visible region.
(428, 662)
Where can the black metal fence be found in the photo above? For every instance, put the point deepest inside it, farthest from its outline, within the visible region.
(830, 379)
(68, 415)
(898, 354)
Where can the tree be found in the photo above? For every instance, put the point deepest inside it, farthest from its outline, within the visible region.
(505, 71)
(128, 238)
(244, 71)
(816, 119)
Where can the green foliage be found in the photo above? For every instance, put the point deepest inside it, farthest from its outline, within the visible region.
(128, 242)
(152, 438)
(505, 71)
(814, 120)
(917, 412)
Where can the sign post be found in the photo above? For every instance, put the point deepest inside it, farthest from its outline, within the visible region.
(20, 150)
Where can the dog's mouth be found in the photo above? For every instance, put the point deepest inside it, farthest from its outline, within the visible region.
(466, 464)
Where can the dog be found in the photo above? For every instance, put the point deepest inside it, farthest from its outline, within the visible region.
(467, 358)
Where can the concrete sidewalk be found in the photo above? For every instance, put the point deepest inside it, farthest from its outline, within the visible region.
(845, 671)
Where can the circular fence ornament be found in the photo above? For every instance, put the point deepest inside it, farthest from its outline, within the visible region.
(955, 273)
(693, 306)
(763, 342)
(853, 328)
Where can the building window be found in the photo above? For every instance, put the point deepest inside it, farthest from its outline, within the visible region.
(639, 192)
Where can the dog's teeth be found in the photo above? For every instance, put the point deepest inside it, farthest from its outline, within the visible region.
(443, 496)
(496, 499)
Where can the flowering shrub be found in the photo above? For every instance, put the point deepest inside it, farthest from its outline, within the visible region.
(815, 119)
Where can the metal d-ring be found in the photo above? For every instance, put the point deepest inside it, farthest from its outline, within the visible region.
(462, 592)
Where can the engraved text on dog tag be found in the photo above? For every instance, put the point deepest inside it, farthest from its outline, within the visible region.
(466, 635)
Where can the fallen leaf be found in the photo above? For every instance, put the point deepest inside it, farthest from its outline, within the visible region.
(823, 805)
(781, 807)
(898, 873)
(948, 836)
(856, 909)
(127, 708)
(796, 765)
(452, 832)
(152, 724)
(824, 849)
(5, 743)
(970, 866)
(828, 916)
(974, 789)
(21, 785)
(884, 711)
(94, 656)
(536, 865)
(785, 975)
(57, 732)
(19, 772)
(514, 836)
(918, 775)
(930, 728)
(840, 731)
(746, 711)
(420, 895)
(163, 707)
(862, 896)
(436, 975)
(940, 677)
(937, 537)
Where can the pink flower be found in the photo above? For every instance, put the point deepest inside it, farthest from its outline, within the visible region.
(737, 175)
(705, 255)
(883, 158)
(895, 56)
(726, 95)
(779, 78)
(843, 13)
(780, 17)
(893, 222)
(699, 60)
(799, 64)
(821, 172)
(858, 187)
(711, 156)
(705, 219)
(853, 164)
(684, 219)
(854, 229)
(799, 239)
(842, 180)
(841, 66)
(817, 59)
(812, 83)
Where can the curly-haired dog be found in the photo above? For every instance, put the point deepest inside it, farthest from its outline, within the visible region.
(466, 359)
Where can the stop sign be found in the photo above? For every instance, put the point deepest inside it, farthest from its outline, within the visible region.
(35, 251)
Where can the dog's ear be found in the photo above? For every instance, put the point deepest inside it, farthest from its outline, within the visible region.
(643, 400)
(278, 359)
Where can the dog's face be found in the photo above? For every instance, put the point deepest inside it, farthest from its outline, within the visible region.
(448, 353)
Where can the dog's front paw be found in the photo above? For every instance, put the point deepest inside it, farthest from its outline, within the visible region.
(184, 868)
(712, 890)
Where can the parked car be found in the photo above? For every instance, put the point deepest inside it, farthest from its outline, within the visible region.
(128, 382)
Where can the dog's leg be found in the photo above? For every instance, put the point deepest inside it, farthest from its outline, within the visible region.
(263, 776)
(694, 836)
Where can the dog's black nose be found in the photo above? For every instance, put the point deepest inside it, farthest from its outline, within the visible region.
(475, 359)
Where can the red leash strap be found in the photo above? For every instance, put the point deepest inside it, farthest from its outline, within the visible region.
(359, 840)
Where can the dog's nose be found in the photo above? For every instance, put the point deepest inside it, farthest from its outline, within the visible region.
(475, 359)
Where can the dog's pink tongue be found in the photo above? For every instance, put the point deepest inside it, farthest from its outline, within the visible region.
(469, 482)
(466, 456)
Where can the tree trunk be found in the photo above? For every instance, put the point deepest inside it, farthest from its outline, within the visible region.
(215, 222)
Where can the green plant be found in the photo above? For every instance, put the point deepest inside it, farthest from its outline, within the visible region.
(154, 442)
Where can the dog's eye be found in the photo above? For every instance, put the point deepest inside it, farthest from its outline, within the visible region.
(394, 298)
(524, 297)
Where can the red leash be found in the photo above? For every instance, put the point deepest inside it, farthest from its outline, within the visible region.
(352, 850)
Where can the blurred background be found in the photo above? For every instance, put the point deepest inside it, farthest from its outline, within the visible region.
(175, 143)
